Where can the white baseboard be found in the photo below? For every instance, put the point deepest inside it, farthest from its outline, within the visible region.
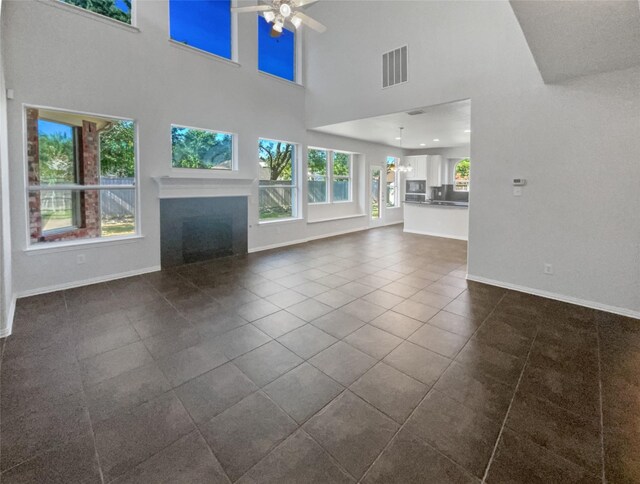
(86, 282)
(317, 237)
(558, 297)
(6, 331)
(433, 234)
(306, 239)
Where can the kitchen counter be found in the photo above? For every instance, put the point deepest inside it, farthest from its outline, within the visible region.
(442, 204)
(428, 218)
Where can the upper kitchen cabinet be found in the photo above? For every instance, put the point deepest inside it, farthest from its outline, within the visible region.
(419, 167)
(435, 170)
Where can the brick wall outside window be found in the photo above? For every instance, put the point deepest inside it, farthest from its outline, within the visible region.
(88, 174)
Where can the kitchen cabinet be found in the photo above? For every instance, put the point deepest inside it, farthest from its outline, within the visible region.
(419, 167)
(435, 170)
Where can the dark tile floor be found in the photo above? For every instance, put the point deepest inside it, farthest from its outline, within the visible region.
(365, 358)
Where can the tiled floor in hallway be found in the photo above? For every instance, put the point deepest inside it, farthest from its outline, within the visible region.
(366, 357)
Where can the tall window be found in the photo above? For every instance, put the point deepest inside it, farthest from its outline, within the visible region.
(392, 181)
(81, 176)
(317, 175)
(341, 187)
(203, 24)
(461, 176)
(276, 55)
(278, 187)
(115, 9)
(201, 148)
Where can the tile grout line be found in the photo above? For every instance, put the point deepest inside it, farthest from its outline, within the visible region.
(504, 421)
(428, 392)
(93, 434)
(600, 400)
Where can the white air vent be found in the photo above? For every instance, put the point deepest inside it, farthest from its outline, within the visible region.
(394, 67)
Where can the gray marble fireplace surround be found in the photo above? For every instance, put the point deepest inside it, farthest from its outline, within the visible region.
(202, 228)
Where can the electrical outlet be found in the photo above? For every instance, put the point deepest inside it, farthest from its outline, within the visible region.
(80, 259)
(548, 268)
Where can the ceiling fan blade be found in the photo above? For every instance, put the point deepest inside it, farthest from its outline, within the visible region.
(314, 24)
(253, 8)
(302, 3)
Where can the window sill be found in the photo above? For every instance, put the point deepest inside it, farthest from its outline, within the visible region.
(280, 79)
(345, 217)
(203, 53)
(54, 247)
(83, 12)
(281, 221)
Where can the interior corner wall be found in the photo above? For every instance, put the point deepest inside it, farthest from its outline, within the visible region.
(575, 143)
(7, 301)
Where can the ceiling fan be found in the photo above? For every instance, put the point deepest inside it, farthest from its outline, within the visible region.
(279, 12)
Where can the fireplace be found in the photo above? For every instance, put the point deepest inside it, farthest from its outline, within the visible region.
(202, 228)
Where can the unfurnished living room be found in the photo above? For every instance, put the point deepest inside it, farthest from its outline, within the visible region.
(319, 241)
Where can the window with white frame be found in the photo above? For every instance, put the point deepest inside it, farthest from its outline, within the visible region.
(116, 9)
(277, 180)
(81, 176)
(329, 176)
(202, 24)
(318, 188)
(461, 176)
(341, 171)
(392, 181)
(201, 149)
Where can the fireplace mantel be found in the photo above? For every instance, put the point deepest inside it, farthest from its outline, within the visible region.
(190, 187)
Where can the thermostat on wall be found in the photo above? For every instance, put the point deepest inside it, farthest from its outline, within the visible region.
(519, 182)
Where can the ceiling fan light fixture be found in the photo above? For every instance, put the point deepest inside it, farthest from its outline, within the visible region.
(285, 10)
(269, 16)
(296, 21)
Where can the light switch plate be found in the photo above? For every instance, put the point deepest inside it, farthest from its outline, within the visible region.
(517, 191)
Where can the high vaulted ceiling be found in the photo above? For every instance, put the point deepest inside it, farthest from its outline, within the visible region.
(580, 37)
(448, 123)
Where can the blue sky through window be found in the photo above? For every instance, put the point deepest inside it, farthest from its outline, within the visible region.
(122, 5)
(203, 24)
(276, 55)
(46, 128)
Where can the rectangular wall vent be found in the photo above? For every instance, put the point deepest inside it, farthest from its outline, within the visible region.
(394, 67)
(416, 112)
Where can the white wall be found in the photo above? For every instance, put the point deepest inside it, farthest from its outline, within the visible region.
(570, 140)
(6, 291)
(60, 58)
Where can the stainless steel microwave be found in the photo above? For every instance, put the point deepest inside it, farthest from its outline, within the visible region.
(416, 186)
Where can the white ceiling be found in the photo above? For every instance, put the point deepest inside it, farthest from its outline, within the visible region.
(445, 122)
(581, 37)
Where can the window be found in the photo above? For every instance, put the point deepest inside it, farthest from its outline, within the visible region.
(82, 181)
(392, 181)
(278, 187)
(317, 175)
(203, 24)
(201, 149)
(341, 187)
(115, 9)
(329, 176)
(461, 176)
(276, 55)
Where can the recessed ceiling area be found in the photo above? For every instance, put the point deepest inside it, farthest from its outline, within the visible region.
(443, 125)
